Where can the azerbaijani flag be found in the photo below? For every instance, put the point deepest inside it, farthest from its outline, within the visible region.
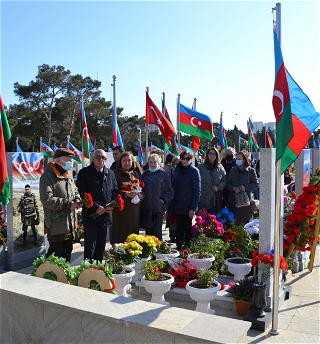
(314, 144)
(222, 135)
(110, 150)
(175, 149)
(46, 150)
(116, 136)
(84, 132)
(218, 147)
(19, 150)
(5, 135)
(184, 148)
(196, 143)
(195, 123)
(76, 152)
(296, 117)
(140, 154)
(243, 142)
(153, 147)
(268, 140)
(251, 137)
(55, 148)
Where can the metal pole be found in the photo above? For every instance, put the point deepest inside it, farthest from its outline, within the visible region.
(178, 122)
(276, 268)
(114, 98)
(40, 143)
(164, 113)
(17, 140)
(147, 129)
(194, 104)
(239, 144)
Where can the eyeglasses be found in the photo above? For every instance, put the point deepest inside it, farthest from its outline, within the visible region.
(186, 158)
(100, 157)
(212, 153)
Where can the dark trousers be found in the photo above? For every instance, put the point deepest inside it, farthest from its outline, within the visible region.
(61, 249)
(183, 230)
(94, 242)
(25, 232)
(156, 229)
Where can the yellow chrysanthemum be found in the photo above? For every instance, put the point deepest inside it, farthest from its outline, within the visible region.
(155, 239)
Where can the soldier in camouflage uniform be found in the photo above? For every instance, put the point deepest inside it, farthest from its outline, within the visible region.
(28, 208)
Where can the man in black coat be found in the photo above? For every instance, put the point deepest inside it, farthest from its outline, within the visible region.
(100, 182)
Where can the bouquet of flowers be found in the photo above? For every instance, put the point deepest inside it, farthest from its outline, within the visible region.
(208, 225)
(266, 268)
(226, 217)
(133, 186)
(117, 203)
(86, 201)
(146, 242)
(182, 271)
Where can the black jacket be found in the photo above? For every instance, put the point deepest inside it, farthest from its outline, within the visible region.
(103, 188)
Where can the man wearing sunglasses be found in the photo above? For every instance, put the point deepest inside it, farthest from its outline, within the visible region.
(101, 184)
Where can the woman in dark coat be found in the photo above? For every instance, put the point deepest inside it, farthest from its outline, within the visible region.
(241, 178)
(157, 193)
(127, 221)
(187, 191)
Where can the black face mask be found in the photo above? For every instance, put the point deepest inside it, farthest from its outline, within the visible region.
(229, 157)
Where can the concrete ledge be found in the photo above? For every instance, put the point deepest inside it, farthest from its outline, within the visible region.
(35, 310)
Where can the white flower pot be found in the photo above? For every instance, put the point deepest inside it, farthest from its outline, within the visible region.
(139, 269)
(158, 289)
(238, 270)
(203, 297)
(204, 263)
(123, 280)
(165, 256)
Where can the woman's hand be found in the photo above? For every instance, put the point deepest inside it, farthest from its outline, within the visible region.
(192, 213)
(235, 189)
(215, 189)
(140, 197)
(131, 194)
(242, 188)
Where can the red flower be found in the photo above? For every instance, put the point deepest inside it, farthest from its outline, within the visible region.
(156, 270)
(182, 284)
(101, 268)
(255, 253)
(293, 194)
(222, 286)
(87, 200)
(120, 203)
(141, 184)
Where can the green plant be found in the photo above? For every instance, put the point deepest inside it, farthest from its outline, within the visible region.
(125, 252)
(153, 270)
(242, 290)
(205, 278)
(164, 247)
(201, 245)
(117, 267)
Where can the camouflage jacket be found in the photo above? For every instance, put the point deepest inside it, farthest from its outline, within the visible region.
(28, 205)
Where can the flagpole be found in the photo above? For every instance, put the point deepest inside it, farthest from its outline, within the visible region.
(276, 268)
(17, 139)
(239, 144)
(40, 143)
(265, 136)
(147, 128)
(178, 122)
(164, 113)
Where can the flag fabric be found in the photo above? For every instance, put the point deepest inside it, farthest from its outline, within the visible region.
(314, 144)
(5, 135)
(274, 138)
(268, 140)
(196, 143)
(243, 142)
(55, 148)
(195, 123)
(19, 150)
(296, 117)
(201, 152)
(84, 132)
(91, 145)
(251, 138)
(76, 152)
(110, 150)
(184, 148)
(222, 135)
(116, 136)
(154, 116)
(166, 113)
(153, 147)
(140, 154)
(218, 147)
(46, 150)
(175, 147)
(251, 124)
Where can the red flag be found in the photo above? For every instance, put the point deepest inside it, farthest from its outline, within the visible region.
(155, 116)
(268, 140)
(195, 143)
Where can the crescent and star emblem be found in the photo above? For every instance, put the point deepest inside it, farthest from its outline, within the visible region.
(192, 123)
(84, 130)
(278, 94)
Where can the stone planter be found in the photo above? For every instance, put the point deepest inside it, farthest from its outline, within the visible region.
(242, 307)
(123, 281)
(203, 297)
(158, 288)
(139, 269)
(204, 263)
(165, 256)
(238, 270)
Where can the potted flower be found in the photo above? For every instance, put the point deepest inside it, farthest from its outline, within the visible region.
(182, 271)
(265, 264)
(226, 217)
(238, 265)
(199, 255)
(164, 251)
(155, 281)
(208, 225)
(204, 289)
(148, 247)
(242, 293)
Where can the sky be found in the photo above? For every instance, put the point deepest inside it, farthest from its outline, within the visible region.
(219, 52)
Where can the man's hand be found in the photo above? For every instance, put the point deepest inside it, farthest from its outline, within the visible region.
(101, 210)
(74, 206)
(236, 190)
(109, 209)
(191, 214)
(215, 189)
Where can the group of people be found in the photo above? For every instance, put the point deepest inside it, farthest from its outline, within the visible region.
(177, 188)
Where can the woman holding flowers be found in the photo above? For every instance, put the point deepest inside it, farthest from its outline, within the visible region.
(187, 191)
(242, 178)
(157, 193)
(126, 221)
(213, 181)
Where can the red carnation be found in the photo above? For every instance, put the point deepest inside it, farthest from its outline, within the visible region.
(141, 184)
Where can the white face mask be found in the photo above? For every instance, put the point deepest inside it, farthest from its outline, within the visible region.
(239, 162)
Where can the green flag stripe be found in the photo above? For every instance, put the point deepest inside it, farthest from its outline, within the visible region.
(191, 130)
(284, 132)
(5, 192)
(287, 158)
(5, 126)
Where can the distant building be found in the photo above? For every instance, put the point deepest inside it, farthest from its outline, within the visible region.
(259, 126)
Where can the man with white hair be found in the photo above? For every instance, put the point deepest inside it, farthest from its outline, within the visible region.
(100, 182)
